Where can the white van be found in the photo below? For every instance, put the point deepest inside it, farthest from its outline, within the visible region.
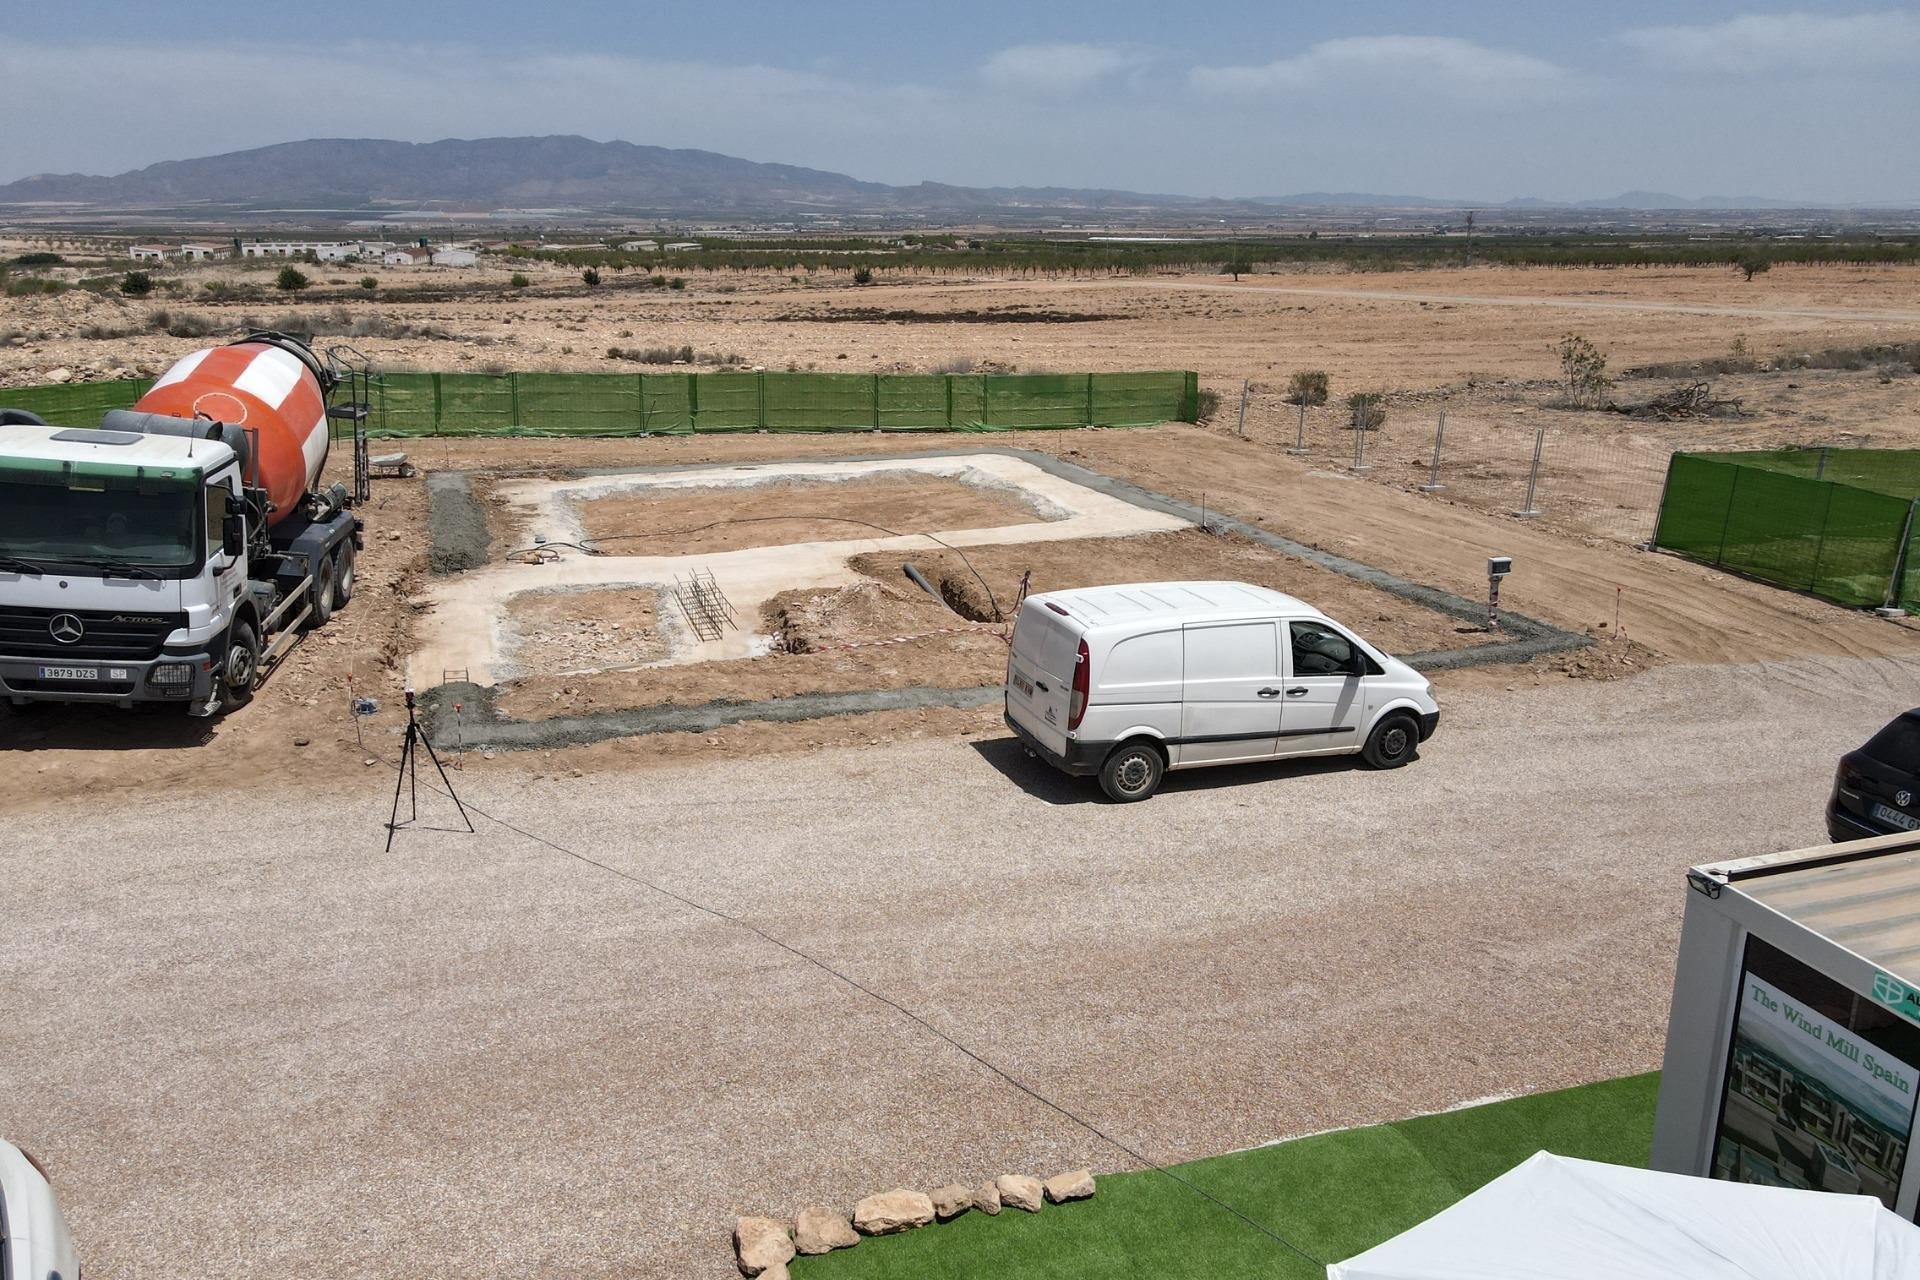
(34, 1241)
(1127, 682)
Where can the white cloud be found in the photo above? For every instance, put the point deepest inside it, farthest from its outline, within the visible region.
(1367, 66)
(1058, 68)
(1784, 42)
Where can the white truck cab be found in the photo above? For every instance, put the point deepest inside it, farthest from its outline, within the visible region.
(34, 1241)
(1127, 682)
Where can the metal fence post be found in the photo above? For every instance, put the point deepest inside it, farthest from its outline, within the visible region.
(1246, 384)
(1820, 468)
(1433, 484)
(1820, 548)
(1896, 581)
(1360, 442)
(1533, 475)
(1089, 399)
(1300, 432)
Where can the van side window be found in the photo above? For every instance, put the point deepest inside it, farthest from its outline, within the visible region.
(1318, 651)
(1239, 651)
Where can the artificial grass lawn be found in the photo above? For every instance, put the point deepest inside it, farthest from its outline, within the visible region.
(1333, 1195)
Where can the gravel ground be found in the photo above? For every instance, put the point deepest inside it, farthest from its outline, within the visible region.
(295, 1054)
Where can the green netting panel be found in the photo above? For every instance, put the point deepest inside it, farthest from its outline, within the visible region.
(1693, 510)
(914, 402)
(969, 402)
(404, 404)
(726, 402)
(666, 402)
(568, 404)
(1859, 546)
(1783, 526)
(1037, 400)
(1906, 590)
(1773, 526)
(820, 401)
(1138, 399)
(75, 404)
(475, 404)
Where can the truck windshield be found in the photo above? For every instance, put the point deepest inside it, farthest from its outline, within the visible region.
(79, 522)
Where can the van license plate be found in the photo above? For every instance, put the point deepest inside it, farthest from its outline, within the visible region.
(1024, 685)
(1895, 818)
(69, 673)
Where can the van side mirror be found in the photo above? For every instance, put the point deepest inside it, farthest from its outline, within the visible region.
(233, 534)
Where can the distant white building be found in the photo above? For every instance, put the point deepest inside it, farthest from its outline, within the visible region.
(453, 257)
(149, 252)
(202, 252)
(681, 246)
(639, 246)
(411, 255)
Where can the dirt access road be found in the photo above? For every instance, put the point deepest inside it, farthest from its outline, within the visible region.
(480, 1056)
(1550, 301)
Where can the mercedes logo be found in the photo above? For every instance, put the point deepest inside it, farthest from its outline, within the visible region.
(66, 628)
(1903, 798)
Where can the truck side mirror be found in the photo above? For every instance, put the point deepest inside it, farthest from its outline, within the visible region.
(233, 534)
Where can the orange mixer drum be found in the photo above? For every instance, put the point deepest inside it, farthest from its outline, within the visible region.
(271, 395)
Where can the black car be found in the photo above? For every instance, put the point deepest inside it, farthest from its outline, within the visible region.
(1877, 789)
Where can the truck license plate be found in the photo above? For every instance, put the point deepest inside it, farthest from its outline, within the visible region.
(1024, 685)
(1894, 818)
(69, 673)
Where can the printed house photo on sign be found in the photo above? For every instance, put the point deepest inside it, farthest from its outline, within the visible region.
(1820, 1084)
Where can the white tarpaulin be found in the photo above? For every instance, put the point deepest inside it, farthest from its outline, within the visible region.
(1552, 1218)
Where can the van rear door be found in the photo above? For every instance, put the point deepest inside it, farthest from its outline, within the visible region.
(1046, 645)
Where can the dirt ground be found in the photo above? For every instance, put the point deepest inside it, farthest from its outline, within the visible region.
(887, 633)
(584, 630)
(1422, 337)
(724, 518)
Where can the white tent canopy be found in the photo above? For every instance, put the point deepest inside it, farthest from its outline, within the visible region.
(1552, 1218)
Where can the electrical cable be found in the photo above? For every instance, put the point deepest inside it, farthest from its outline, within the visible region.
(881, 997)
(591, 546)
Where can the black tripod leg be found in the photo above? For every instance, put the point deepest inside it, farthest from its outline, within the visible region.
(399, 780)
(448, 782)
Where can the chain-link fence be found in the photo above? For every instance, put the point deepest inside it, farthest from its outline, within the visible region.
(1496, 455)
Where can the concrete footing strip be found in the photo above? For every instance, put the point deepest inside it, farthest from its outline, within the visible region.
(481, 727)
(454, 512)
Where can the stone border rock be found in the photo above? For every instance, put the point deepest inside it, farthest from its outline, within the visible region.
(763, 1246)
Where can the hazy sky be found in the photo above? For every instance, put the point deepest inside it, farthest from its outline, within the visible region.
(1480, 99)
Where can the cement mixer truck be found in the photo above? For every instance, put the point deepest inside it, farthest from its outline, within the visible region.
(171, 553)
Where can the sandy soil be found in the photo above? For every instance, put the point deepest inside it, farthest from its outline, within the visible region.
(1573, 567)
(668, 523)
(887, 634)
(584, 630)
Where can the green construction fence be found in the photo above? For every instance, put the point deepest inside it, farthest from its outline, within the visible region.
(1835, 523)
(633, 404)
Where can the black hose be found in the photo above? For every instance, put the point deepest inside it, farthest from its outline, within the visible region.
(22, 418)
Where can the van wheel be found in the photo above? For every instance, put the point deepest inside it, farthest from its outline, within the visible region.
(1132, 772)
(1392, 742)
(239, 667)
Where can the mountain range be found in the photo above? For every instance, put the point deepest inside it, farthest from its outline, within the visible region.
(575, 173)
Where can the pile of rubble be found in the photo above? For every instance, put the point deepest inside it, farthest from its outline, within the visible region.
(764, 1246)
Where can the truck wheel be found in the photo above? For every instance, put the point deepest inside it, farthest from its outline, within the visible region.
(1392, 742)
(325, 584)
(1132, 772)
(239, 667)
(343, 578)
